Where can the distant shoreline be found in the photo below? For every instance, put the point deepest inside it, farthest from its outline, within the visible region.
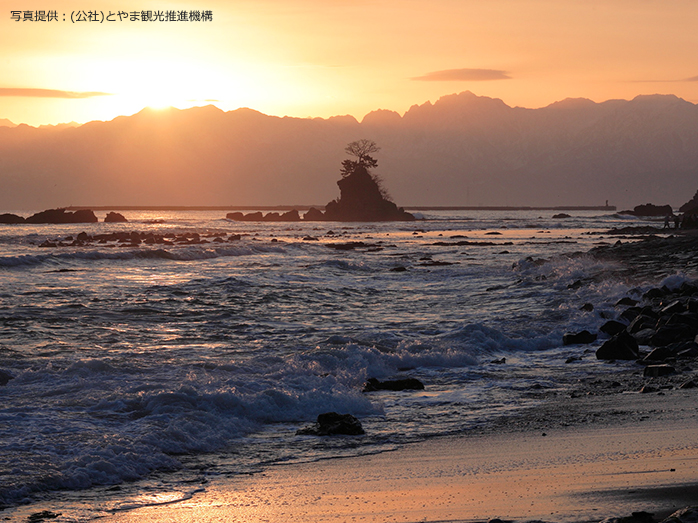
(306, 207)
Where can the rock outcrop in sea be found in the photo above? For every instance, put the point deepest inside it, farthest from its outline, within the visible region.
(57, 216)
(115, 217)
(649, 209)
(361, 199)
(691, 206)
(8, 218)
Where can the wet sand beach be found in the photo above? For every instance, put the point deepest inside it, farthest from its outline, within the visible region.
(580, 459)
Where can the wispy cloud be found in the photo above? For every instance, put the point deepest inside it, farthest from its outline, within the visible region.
(692, 79)
(46, 93)
(464, 75)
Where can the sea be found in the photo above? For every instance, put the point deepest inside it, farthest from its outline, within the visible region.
(142, 372)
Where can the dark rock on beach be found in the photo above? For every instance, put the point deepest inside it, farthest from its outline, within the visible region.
(331, 423)
(622, 346)
(58, 216)
(612, 327)
(373, 384)
(658, 370)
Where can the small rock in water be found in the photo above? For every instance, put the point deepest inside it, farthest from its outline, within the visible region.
(5, 377)
(331, 423)
(583, 337)
(115, 217)
(372, 384)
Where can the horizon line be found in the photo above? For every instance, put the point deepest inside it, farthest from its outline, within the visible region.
(307, 207)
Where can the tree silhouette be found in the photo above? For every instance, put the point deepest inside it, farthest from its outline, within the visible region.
(361, 150)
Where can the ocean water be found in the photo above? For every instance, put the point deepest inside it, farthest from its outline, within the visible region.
(140, 373)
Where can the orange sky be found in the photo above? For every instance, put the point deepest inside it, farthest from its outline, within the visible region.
(327, 57)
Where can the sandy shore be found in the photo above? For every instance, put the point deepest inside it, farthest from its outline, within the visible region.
(576, 459)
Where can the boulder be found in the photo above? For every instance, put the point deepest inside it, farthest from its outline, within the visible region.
(644, 336)
(612, 327)
(584, 337)
(641, 322)
(627, 302)
(372, 384)
(660, 354)
(622, 346)
(672, 334)
(561, 216)
(672, 307)
(11, 218)
(630, 313)
(331, 423)
(115, 217)
(237, 216)
(653, 371)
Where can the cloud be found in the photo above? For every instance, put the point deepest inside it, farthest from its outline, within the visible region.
(464, 75)
(46, 93)
(692, 79)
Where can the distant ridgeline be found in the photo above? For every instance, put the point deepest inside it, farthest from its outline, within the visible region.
(362, 197)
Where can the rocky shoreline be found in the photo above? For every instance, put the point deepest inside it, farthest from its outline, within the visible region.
(659, 327)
